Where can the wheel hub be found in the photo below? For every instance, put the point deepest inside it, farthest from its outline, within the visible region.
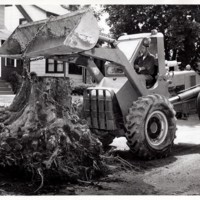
(156, 128)
(153, 127)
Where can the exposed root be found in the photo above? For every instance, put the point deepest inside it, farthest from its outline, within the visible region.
(125, 164)
(46, 136)
(49, 162)
(39, 170)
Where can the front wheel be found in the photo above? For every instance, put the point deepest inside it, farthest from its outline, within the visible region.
(151, 127)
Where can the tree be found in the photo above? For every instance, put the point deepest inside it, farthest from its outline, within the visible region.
(178, 23)
(73, 7)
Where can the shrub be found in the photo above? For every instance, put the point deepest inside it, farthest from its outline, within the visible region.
(15, 80)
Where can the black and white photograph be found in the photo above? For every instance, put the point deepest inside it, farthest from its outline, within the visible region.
(99, 99)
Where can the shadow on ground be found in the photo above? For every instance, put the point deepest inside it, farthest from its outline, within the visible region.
(180, 149)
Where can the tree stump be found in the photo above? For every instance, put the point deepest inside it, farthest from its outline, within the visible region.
(41, 133)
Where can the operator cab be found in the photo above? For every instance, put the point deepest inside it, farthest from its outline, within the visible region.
(146, 62)
(131, 46)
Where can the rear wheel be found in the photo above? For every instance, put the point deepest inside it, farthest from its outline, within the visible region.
(151, 127)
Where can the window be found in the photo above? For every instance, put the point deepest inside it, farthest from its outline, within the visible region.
(8, 61)
(128, 47)
(75, 69)
(19, 62)
(22, 21)
(193, 80)
(113, 69)
(54, 66)
(49, 14)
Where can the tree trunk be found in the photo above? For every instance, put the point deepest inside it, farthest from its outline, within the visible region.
(41, 131)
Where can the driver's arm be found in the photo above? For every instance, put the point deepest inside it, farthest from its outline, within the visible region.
(136, 66)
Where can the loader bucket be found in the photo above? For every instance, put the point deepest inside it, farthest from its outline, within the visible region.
(65, 34)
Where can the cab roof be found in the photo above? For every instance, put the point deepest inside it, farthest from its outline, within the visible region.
(140, 35)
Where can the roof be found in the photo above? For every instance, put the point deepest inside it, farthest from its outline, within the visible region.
(56, 9)
(4, 34)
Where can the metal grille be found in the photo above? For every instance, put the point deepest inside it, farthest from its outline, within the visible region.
(192, 80)
(98, 108)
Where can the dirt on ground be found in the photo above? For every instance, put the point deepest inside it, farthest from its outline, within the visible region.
(178, 174)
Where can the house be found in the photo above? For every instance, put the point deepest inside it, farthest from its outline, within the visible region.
(11, 17)
(4, 33)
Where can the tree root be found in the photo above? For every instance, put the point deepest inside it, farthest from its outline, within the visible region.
(49, 162)
(125, 164)
(39, 170)
(46, 137)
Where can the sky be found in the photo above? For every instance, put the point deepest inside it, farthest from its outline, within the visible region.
(102, 23)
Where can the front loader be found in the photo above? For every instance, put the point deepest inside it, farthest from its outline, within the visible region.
(121, 104)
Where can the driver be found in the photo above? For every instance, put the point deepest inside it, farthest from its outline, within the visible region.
(146, 62)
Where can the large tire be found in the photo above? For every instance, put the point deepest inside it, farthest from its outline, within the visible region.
(151, 127)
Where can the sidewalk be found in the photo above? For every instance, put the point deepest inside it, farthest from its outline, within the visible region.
(6, 100)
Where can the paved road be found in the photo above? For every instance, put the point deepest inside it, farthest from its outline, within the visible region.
(176, 175)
